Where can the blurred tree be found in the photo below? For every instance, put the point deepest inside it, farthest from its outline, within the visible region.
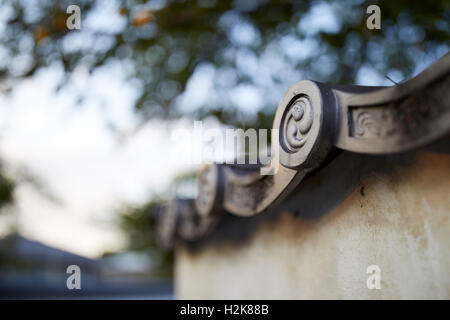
(139, 226)
(6, 189)
(253, 48)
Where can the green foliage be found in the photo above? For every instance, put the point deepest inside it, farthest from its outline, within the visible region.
(6, 190)
(139, 226)
(165, 44)
(7, 186)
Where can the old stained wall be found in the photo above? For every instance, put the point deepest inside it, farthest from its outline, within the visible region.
(398, 221)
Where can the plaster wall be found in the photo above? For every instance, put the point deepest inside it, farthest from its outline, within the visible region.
(399, 221)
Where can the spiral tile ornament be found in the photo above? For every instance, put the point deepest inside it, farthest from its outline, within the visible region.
(304, 124)
(298, 122)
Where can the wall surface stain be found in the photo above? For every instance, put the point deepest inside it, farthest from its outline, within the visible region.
(398, 220)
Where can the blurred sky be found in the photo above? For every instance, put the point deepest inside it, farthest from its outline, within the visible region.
(80, 160)
(88, 170)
